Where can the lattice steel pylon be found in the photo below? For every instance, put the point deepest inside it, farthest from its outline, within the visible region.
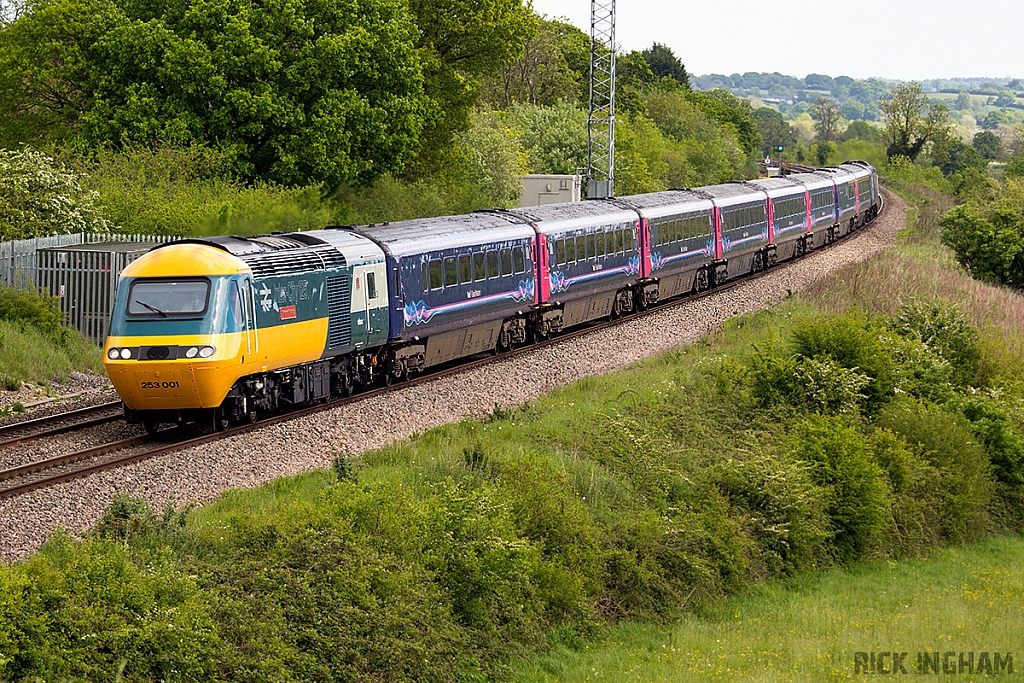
(601, 123)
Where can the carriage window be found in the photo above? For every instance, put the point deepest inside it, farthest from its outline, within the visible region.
(371, 285)
(560, 252)
(451, 273)
(465, 269)
(570, 249)
(581, 248)
(435, 274)
(506, 261)
(479, 267)
(628, 237)
(618, 241)
(424, 273)
(600, 244)
(678, 230)
(591, 246)
(519, 260)
(492, 264)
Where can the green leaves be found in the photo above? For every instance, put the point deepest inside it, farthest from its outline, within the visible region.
(299, 92)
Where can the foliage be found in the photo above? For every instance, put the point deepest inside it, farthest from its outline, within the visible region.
(39, 197)
(860, 130)
(182, 192)
(988, 237)
(826, 118)
(944, 329)
(946, 441)
(911, 121)
(665, 64)
(902, 170)
(460, 43)
(840, 461)
(554, 137)
(1015, 167)
(775, 132)
(727, 109)
(988, 145)
(35, 309)
(283, 90)
(555, 66)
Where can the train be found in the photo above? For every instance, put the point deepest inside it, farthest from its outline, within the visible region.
(221, 329)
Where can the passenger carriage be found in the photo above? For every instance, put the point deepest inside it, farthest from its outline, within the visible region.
(459, 285)
(680, 227)
(591, 257)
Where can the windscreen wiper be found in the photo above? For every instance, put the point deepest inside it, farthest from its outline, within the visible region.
(152, 308)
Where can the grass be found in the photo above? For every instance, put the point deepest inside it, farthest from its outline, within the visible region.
(32, 356)
(961, 600)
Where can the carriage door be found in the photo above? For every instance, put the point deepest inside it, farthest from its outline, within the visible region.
(360, 309)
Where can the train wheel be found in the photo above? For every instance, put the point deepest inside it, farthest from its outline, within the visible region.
(220, 423)
(151, 425)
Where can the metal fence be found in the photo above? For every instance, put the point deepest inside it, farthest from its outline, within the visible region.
(80, 269)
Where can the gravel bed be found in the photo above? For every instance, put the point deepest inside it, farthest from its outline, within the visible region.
(79, 390)
(201, 473)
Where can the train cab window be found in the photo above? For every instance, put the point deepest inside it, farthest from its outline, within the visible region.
(235, 305)
(371, 285)
(479, 267)
(465, 269)
(451, 273)
(560, 252)
(492, 264)
(163, 298)
(436, 280)
(518, 260)
(506, 262)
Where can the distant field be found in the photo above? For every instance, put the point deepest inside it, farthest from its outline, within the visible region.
(963, 600)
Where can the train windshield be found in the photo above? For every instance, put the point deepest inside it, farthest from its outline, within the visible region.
(164, 298)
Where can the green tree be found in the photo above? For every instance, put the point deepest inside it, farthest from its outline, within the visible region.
(988, 238)
(963, 101)
(665, 64)
(555, 66)
(988, 145)
(461, 42)
(287, 90)
(555, 138)
(38, 197)
(860, 130)
(1015, 168)
(911, 121)
(775, 132)
(728, 109)
(825, 113)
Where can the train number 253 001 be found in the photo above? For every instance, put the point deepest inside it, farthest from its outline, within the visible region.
(159, 385)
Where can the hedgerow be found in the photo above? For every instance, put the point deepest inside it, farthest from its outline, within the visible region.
(633, 497)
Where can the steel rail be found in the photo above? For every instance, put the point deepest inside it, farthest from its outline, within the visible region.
(52, 419)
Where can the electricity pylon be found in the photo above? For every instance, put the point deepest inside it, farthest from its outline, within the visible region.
(601, 123)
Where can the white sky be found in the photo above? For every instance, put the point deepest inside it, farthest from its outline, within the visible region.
(901, 39)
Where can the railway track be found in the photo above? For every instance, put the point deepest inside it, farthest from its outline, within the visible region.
(42, 427)
(52, 471)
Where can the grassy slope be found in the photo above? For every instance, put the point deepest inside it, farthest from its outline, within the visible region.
(31, 356)
(961, 600)
(965, 600)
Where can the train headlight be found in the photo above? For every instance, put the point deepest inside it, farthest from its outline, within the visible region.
(113, 354)
(192, 352)
(126, 354)
(207, 351)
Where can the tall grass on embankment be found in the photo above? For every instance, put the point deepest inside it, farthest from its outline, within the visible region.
(791, 441)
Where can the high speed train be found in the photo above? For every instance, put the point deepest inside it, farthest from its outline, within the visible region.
(219, 329)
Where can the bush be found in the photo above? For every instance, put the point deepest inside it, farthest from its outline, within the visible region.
(817, 385)
(39, 197)
(944, 439)
(856, 498)
(945, 330)
(988, 236)
(850, 341)
(36, 309)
